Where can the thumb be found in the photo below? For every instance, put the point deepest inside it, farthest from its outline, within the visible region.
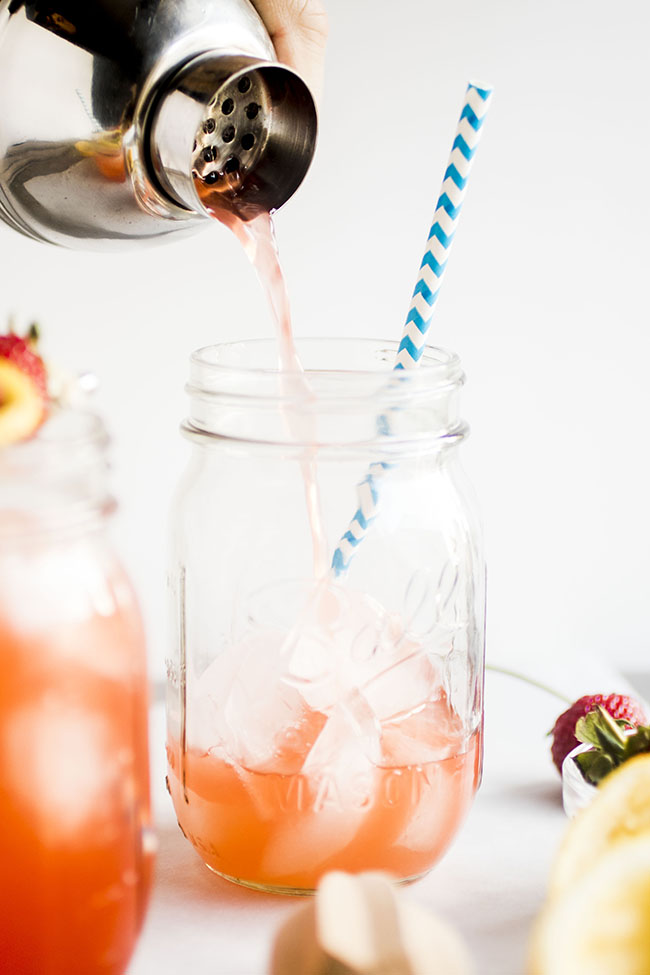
(298, 30)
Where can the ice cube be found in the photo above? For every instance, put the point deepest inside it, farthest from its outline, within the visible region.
(205, 717)
(431, 733)
(244, 704)
(75, 613)
(65, 765)
(339, 642)
(408, 678)
(346, 741)
(340, 781)
(269, 697)
(445, 794)
(68, 584)
(274, 734)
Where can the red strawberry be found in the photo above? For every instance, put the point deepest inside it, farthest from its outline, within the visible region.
(620, 706)
(23, 388)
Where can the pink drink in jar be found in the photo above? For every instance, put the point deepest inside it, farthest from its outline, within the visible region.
(76, 843)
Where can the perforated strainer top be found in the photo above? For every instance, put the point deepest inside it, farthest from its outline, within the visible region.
(234, 132)
(231, 133)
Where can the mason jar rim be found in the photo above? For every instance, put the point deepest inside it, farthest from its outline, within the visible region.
(230, 368)
(238, 395)
(58, 478)
(64, 436)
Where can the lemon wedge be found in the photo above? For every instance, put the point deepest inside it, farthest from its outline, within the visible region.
(600, 925)
(619, 811)
(21, 404)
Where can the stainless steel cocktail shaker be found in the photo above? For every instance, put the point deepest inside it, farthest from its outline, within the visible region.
(126, 120)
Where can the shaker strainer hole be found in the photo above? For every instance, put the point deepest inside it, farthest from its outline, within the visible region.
(209, 154)
(211, 177)
(209, 126)
(248, 141)
(252, 110)
(232, 165)
(227, 106)
(244, 84)
(228, 133)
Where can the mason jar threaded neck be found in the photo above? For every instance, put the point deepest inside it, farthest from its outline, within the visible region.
(349, 394)
(57, 480)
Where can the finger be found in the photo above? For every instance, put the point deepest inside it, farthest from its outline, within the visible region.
(298, 30)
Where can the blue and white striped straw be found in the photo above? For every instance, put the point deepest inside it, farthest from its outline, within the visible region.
(425, 295)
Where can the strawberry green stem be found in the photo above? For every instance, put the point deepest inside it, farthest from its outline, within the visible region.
(33, 334)
(529, 680)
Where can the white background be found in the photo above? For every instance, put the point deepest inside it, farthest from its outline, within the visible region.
(545, 299)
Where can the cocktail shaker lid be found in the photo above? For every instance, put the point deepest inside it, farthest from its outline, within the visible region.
(229, 132)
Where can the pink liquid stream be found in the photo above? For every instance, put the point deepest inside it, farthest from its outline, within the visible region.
(257, 237)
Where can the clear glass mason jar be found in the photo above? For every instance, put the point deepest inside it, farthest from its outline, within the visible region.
(75, 843)
(324, 717)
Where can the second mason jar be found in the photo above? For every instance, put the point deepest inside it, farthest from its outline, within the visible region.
(76, 843)
(325, 682)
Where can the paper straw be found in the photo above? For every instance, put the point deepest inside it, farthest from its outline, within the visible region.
(425, 295)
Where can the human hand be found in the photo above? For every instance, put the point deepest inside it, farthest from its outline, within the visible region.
(298, 29)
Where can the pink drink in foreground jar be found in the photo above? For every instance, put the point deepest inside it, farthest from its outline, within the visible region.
(76, 845)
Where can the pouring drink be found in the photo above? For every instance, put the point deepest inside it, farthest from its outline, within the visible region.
(315, 724)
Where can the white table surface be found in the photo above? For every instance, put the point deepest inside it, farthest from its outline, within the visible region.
(490, 884)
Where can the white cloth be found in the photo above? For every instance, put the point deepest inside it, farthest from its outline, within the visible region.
(490, 885)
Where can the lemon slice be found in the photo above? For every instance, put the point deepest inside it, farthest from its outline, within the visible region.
(601, 924)
(620, 810)
(21, 405)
